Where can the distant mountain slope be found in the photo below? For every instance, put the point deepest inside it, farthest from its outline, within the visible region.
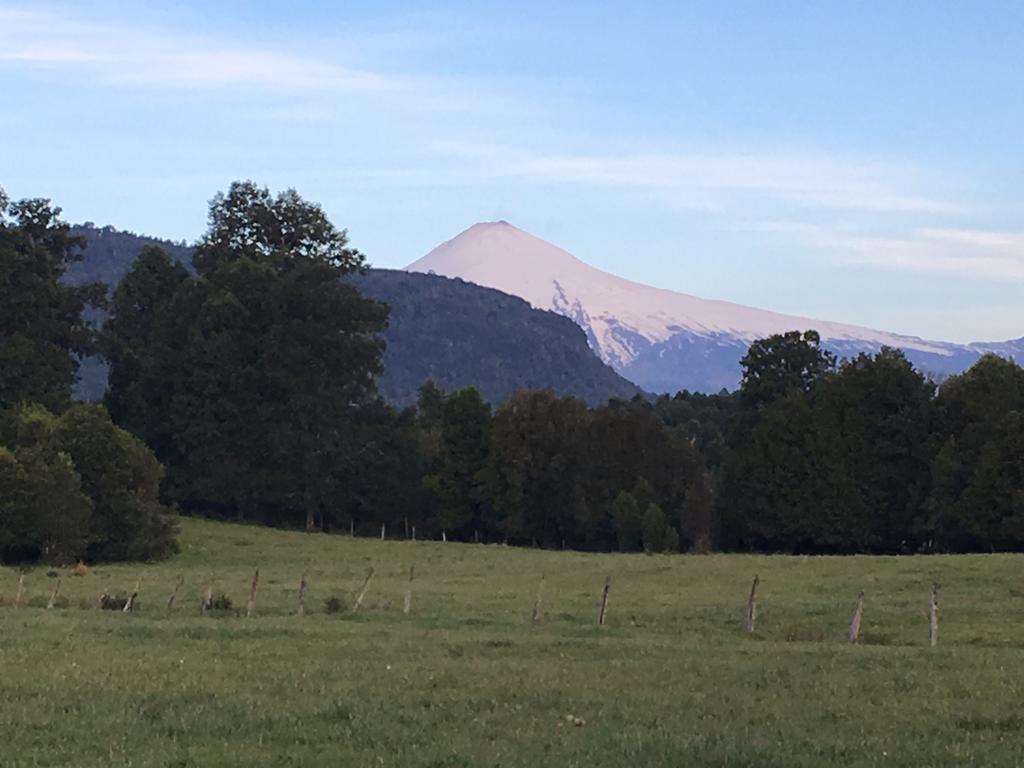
(455, 333)
(109, 253)
(662, 340)
(459, 334)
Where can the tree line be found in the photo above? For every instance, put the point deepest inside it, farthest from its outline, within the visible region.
(246, 389)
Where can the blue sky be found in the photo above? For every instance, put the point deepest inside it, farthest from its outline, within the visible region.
(862, 162)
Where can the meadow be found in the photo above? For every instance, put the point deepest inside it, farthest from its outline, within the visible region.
(467, 679)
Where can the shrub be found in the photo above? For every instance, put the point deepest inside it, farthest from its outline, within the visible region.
(333, 604)
(76, 486)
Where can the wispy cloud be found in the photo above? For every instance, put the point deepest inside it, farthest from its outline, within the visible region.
(122, 55)
(703, 180)
(991, 255)
(996, 255)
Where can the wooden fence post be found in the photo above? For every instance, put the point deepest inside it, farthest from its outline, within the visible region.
(604, 601)
(362, 592)
(933, 620)
(53, 596)
(414, 533)
(250, 607)
(302, 595)
(444, 536)
(129, 604)
(537, 612)
(751, 616)
(207, 603)
(858, 613)
(408, 592)
(174, 595)
(21, 589)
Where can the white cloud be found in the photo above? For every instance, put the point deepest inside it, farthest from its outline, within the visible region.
(122, 55)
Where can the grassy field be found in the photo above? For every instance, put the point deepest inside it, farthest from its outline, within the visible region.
(467, 680)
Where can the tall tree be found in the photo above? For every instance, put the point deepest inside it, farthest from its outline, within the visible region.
(144, 353)
(457, 483)
(977, 497)
(880, 409)
(780, 364)
(273, 353)
(42, 329)
(535, 468)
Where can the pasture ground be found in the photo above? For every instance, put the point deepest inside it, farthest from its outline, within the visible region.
(467, 680)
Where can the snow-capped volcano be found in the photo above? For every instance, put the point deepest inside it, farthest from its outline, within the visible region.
(661, 339)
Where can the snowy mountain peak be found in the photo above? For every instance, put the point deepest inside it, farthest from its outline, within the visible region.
(500, 248)
(661, 339)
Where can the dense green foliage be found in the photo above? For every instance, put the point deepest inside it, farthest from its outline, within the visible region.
(449, 331)
(254, 378)
(75, 486)
(864, 457)
(42, 326)
(458, 335)
(245, 377)
(466, 679)
(72, 485)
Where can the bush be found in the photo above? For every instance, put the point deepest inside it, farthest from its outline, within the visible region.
(221, 603)
(76, 486)
(333, 604)
(658, 535)
(113, 602)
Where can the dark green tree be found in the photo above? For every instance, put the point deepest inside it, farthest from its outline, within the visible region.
(977, 495)
(142, 343)
(81, 487)
(780, 364)
(626, 518)
(879, 410)
(42, 328)
(457, 483)
(535, 468)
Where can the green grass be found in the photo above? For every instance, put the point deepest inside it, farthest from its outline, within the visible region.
(467, 680)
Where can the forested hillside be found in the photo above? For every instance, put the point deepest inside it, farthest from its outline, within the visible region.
(452, 332)
(458, 334)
